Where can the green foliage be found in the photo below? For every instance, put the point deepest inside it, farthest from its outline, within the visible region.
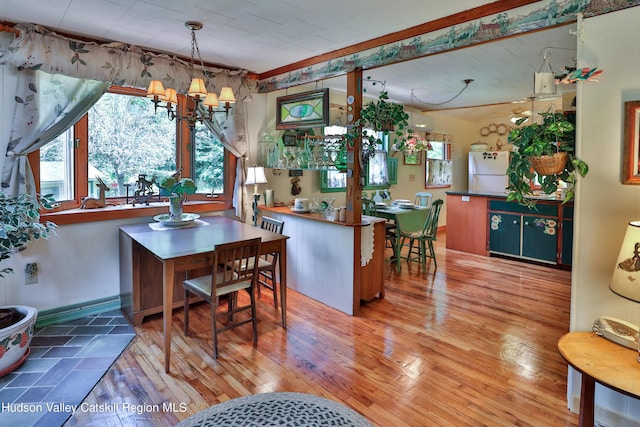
(170, 185)
(380, 115)
(20, 223)
(555, 134)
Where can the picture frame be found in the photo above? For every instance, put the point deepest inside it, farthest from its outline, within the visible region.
(414, 159)
(303, 110)
(289, 139)
(631, 149)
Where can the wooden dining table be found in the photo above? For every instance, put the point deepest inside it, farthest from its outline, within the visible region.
(143, 247)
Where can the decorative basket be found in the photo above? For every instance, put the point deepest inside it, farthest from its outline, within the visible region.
(549, 165)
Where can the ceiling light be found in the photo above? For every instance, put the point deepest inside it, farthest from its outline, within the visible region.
(197, 91)
(544, 81)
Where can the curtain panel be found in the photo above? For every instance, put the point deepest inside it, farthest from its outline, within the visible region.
(38, 49)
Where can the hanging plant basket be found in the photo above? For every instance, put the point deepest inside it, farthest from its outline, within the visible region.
(549, 165)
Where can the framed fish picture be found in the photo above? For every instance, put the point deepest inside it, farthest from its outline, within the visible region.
(303, 110)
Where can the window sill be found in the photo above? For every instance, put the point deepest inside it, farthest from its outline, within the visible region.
(123, 211)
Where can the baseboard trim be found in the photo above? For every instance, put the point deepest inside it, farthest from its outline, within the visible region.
(77, 311)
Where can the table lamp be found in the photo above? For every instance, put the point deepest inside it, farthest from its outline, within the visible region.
(255, 176)
(625, 280)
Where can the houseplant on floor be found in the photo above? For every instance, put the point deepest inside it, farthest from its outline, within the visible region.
(548, 147)
(20, 224)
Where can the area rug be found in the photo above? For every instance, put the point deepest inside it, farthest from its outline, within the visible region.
(277, 409)
(67, 360)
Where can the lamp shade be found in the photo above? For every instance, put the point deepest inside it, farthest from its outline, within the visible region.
(255, 175)
(625, 280)
(226, 95)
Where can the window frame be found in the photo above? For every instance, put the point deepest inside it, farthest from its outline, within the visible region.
(446, 156)
(69, 212)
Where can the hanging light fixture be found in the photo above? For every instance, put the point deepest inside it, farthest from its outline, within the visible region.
(197, 91)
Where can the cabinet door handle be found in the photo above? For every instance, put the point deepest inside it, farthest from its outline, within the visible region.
(515, 221)
(526, 223)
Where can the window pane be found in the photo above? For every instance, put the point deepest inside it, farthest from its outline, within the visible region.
(208, 159)
(438, 152)
(56, 167)
(127, 139)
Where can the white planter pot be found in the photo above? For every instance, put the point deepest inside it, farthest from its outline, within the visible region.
(15, 339)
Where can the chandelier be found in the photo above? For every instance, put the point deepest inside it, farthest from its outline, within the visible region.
(197, 91)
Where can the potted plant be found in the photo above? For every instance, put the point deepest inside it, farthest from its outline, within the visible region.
(379, 116)
(20, 224)
(176, 189)
(545, 148)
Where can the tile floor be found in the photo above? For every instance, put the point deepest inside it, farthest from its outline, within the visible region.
(67, 360)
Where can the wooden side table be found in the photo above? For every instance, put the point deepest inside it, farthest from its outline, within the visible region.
(600, 360)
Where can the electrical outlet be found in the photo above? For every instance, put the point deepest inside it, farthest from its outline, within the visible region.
(31, 274)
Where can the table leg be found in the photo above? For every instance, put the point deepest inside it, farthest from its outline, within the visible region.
(587, 396)
(167, 308)
(283, 281)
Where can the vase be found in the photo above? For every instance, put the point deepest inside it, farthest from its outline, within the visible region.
(175, 207)
(16, 336)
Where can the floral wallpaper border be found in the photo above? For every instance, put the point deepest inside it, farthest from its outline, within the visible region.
(521, 20)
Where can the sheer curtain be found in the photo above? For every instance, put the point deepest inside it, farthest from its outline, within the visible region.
(44, 106)
(228, 129)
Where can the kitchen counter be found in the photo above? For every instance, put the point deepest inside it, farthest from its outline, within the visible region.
(542, 196)
(333, 262)
(485, 224)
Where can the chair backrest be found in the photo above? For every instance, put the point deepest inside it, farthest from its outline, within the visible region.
(368, 206)
(275, 226)
(431, 225)
(271, 224)
(241, 256)
(412, 221)
(423, 198)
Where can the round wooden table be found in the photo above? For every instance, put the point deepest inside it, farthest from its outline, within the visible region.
(600, 360)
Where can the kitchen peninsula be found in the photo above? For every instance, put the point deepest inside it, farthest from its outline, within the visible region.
(336, 263)
(486, 224)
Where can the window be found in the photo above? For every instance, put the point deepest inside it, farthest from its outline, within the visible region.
(438, 166)
(207, 161)
(122, 137)
(127, 139)
(56, 167)
(380, 171)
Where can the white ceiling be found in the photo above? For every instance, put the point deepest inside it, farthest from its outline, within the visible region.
(262, 35)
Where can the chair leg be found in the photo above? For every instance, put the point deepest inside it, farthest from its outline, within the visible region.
(433, 254)
(254, 317)
(214, 327)
(423, 256)
(186, 312)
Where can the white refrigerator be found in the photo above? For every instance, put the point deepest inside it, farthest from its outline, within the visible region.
(488, 172)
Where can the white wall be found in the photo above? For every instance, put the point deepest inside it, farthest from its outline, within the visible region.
(604, 206)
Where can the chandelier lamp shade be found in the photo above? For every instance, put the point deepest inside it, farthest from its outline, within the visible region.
(205, 103)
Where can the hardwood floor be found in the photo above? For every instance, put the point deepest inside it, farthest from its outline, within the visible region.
(472, 345)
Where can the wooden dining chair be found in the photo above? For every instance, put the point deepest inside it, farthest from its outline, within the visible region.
(409, 228)
(423, 198)
(230, 274)
(267, 262)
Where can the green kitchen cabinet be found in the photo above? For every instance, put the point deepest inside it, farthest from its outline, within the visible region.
(504, 233)
(540, 238)
(514, 231)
